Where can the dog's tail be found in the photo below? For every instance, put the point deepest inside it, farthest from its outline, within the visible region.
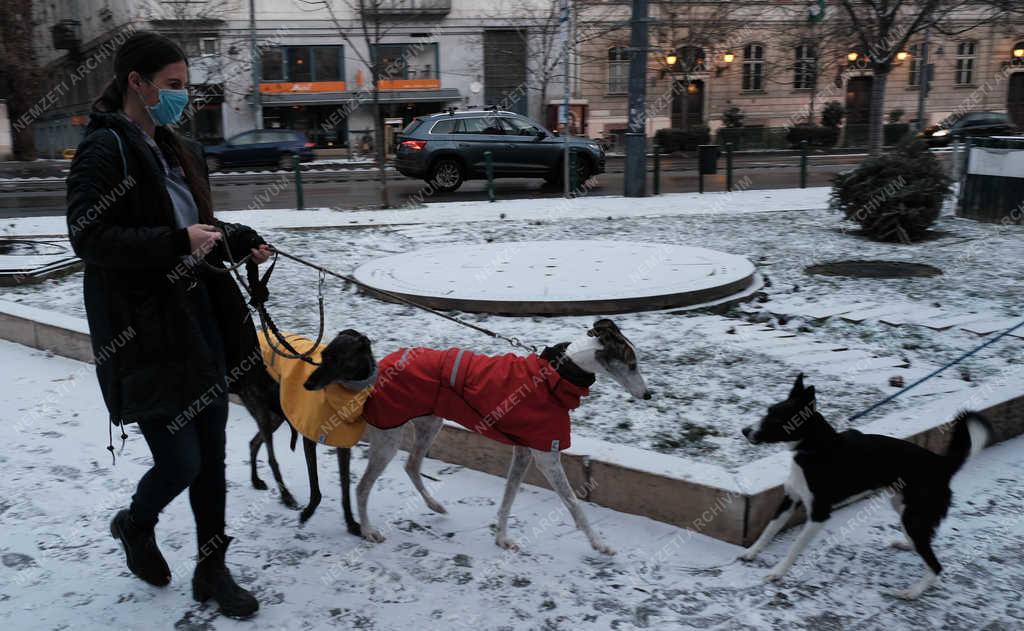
(971, 432)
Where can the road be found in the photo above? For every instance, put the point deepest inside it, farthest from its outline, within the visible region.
(353, 189)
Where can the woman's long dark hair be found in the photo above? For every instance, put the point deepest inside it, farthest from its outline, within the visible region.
(148, 53)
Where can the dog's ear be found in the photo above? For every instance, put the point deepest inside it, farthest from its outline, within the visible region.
(809, 393)
(798, 387)
(602, 329)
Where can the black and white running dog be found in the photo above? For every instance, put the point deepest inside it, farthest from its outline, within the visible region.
(829, 467)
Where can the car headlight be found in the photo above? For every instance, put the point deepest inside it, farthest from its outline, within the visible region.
(940, 133)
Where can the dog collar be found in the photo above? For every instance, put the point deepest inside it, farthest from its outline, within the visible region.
(361, 384)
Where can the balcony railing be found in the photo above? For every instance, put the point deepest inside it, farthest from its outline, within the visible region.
(412, 8)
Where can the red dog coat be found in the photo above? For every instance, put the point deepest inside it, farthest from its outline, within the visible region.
(512, 399)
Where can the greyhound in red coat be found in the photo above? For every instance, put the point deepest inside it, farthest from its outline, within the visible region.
(522, 401)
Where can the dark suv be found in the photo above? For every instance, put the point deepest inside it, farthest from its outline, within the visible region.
(970, 124)
(448, 148)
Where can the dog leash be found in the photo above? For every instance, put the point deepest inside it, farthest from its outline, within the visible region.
(258, 295)
(514, 341)
(936, 372)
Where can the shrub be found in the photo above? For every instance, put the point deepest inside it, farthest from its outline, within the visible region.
(833, 114)
(896, 196)
(814, 135)
(671, 139)
(732, 118)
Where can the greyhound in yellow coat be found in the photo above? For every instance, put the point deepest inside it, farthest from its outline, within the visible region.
(330, 416)
(322, 402)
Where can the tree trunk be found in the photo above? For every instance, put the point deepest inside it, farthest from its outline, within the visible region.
(876, 114)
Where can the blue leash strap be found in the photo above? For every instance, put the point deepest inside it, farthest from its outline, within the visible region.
(937, 371)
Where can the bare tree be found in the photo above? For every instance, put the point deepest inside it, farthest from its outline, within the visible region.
(21, 77)
(882, 29)
(369, 23)
(538, 23)
(817, 52)
(686, 29)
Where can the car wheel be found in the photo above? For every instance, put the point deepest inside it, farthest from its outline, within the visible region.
(212, 164)
(446, 175)
(583, 172)
(286, 163)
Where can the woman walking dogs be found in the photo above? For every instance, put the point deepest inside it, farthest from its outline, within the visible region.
(171, 336)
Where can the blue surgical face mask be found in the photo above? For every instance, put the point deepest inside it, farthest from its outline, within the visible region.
(170, 107)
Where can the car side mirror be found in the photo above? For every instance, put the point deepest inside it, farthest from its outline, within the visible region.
(555, 133)
(540, 134)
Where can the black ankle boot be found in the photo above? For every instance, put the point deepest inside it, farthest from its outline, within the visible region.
(144, 558)
(213, 580)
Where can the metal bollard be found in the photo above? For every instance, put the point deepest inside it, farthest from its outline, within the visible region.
(299, 202)
(489, 169)
(573, 184)
(657, 169)
(728, 166)
(803, 164)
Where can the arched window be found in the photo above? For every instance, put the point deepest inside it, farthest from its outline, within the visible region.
(690, 59)
(618, 70)
(965, 63)
(753, 67)
(805, 67)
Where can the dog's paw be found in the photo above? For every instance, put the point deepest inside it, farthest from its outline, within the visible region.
(901, 544)
(259, 484)
(372, 534)
(775, 575)
(436, 506)
(903, 594)
(506, 543)
(288, 500)
(603, 548)
(748, 555)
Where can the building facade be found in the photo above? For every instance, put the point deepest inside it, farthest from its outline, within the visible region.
(770, 62)
(313, 72)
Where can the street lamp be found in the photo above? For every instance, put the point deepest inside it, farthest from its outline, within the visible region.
(728, 58)
(902, 55)
(671, 59)
(1018, 53)
(852, 56)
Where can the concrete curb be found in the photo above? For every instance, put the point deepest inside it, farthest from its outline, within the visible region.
(694, 495)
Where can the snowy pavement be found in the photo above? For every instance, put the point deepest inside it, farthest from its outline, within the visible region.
(61, 570)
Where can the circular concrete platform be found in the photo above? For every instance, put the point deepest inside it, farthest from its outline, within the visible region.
(560, 277)
(25, 261)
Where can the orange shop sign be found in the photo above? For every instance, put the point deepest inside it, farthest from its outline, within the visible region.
(302, 88)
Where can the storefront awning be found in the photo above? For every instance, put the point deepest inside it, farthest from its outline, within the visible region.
(363, 98)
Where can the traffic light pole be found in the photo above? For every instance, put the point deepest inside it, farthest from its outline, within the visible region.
(635, 183)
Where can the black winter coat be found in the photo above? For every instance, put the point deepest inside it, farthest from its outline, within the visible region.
(151, 358)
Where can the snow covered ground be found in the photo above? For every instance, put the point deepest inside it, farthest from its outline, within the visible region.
(59, 568)
(711, 373)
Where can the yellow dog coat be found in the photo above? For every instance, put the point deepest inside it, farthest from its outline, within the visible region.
(331, 416)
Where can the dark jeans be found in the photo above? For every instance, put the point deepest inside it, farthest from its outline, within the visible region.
(189, 453)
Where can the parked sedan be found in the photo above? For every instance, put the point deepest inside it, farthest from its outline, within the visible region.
(970, 124)
(447, 149)
(260, 147)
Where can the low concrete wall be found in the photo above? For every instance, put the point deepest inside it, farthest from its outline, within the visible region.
(694, 495)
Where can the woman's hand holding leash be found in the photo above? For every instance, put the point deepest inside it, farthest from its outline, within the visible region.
(261, 254)
(202, 238)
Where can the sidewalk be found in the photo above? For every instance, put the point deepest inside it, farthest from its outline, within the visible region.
(61, 568)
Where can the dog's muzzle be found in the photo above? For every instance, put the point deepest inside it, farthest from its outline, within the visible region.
(750, 434)
(361, 384)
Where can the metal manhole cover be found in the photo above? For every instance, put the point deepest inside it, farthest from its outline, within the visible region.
(874, 269)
